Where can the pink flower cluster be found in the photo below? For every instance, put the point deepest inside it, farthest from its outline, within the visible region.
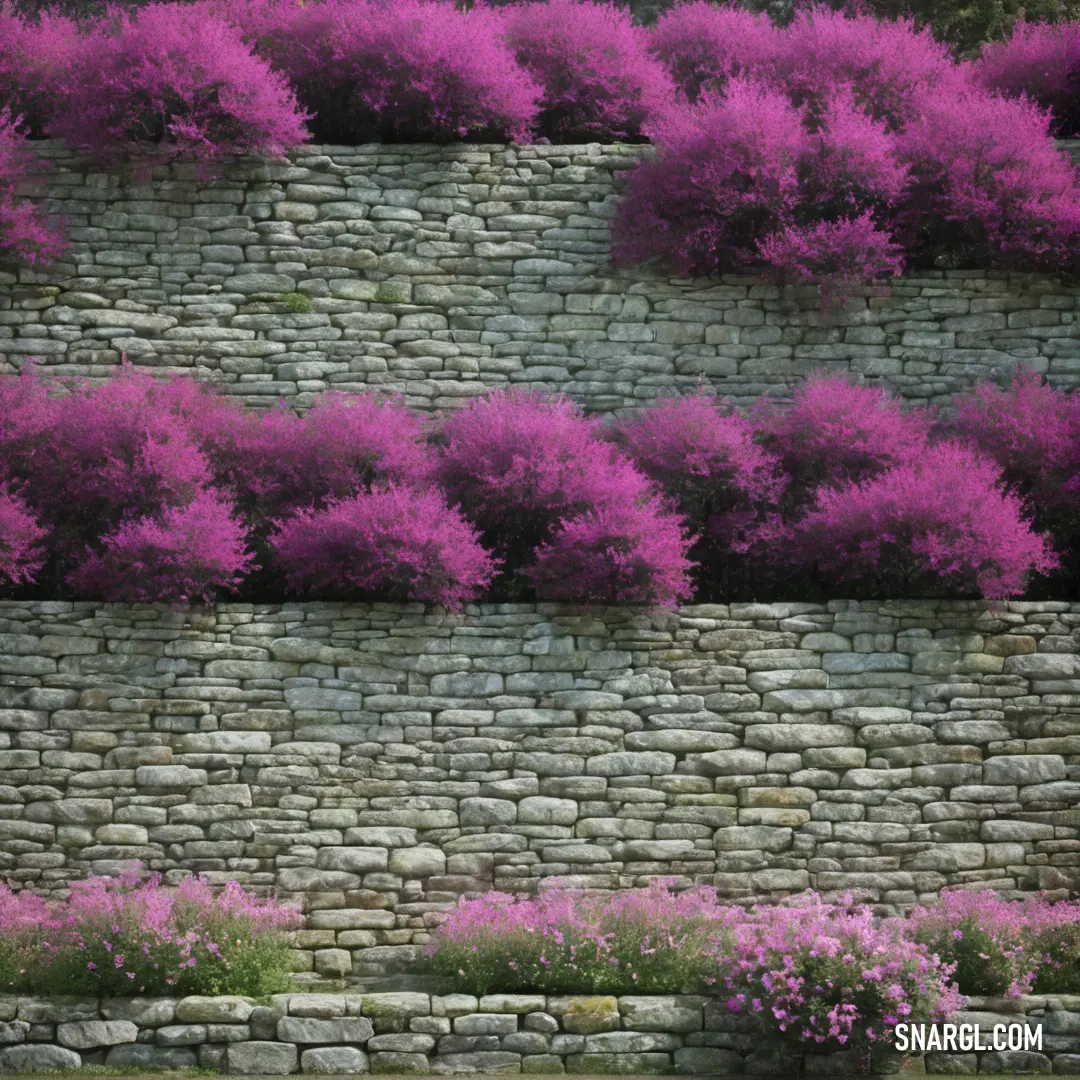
(836, 149)
(130, 935)
(146, 490)
(1040, 61)
(839, 149)
(819, 973)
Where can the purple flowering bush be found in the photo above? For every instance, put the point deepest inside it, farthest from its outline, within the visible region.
(1038, 61)
(940, 525)
(634, 941)
(407, 71)
(815, 972)
(558, 504)
(397, 544)
(25, 232)
(833, 975)
(21, 549)
(743, 183)
(702, 45)
(599, 81)
(140, 489)
(132, 936)
(169, 82)
(32, 52)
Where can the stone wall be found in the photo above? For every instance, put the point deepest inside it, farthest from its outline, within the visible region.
(442, 271)
(377, 762)
(345, 1034)
(422, 1034)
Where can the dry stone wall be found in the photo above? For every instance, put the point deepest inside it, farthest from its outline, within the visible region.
(422, 1034)
(379, 761)
(440, 1034)
(442, 271)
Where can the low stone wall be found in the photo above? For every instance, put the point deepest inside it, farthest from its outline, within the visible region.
(376, 762)
(440, 272)
(1057, 1014)
(345, 1034)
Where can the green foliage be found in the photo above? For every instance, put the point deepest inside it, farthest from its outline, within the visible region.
(1058, 946)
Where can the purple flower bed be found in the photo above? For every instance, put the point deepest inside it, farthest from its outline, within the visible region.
(132, 936)
(815, 973)
(145, 490)
(836, 149)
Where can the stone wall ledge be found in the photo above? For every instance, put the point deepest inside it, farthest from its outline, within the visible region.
(348, 1033)
(397, 1032)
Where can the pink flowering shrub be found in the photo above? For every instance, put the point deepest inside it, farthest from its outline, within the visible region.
(127, 937)
(817, 973)
(983, 936)
(171, 81)
(938, 525)
(741, 182)
(191, 552)
(825, 974)
(702, 45)
(1037, 61)
(22, 552)
(988, 187)
(25, 233)
(599, 81)
(704, 456)
(411, 70)
(889, 66)
(1004, 948)
(836, 433)
(533, 475)
(344, 445)
(32, 54)
(642, 941)
(396, 544)
(103, 456)
(1033, 433)
(619, 553)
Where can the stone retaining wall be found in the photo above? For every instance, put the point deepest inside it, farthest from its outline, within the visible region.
(378, 761)
(345, 1034)
(442, 271)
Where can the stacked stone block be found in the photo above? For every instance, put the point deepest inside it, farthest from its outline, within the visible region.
(439, 272)
(345, 1034)
(376, 762)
